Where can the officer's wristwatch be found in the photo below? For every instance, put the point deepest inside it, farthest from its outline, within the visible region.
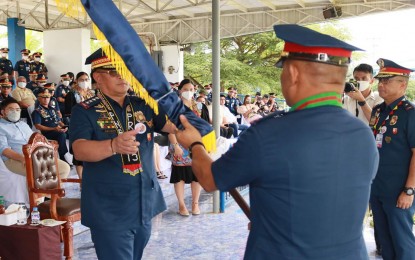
(409, 191)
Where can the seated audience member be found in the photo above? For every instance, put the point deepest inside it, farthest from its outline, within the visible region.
(25, 97)
(272, 105)
(6, 89)
(53, 101)
(203, 109)
(14, 133)
(229, 119)
(249, 111)
(258, 99)
(263, 107)
(46, 119)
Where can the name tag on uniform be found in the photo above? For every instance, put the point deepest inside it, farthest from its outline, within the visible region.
(379, 138)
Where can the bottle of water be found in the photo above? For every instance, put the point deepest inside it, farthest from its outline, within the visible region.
(35, 217)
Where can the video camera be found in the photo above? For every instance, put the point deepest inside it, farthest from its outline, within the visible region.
(352, 85)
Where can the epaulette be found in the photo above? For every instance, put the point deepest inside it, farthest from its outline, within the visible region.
(407, 105)
(87, 104)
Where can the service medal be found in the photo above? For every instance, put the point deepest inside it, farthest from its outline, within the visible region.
(383, 129)
(395, 131)
(141, 128)
(394, 119)
(388, 139)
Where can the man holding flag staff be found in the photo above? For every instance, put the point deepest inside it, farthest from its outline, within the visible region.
(308, 200)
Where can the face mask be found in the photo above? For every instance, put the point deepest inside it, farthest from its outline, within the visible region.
(65, 83)
(208, 90)
(363, 85)
(199, 105)
(25, 57)
(188, 95)
(37, 59)
(83, 84)
(21, 84)
(13, 116)
(4, 55)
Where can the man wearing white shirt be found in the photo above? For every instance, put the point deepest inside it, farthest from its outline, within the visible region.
(362, 99)
(15, 133)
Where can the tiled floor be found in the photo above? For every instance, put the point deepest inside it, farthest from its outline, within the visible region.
(207, 236)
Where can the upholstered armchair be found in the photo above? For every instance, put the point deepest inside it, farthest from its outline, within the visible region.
(41, 157)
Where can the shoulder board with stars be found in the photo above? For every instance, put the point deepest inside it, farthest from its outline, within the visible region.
(408, 105)
(87, 104)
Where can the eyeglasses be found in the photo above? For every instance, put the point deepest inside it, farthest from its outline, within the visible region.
(386, 81)
(112, 73)
(6, 87)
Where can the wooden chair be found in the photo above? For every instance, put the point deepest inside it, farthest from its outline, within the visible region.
(41, 157)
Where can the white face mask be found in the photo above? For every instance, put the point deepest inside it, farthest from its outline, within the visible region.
(83, 84)
(188, 95)
(25, 57)
(13, 116)
(4, 55)
(21, 84)
(65, 83)
(208, 90)
(363, 85)
(199, 105)
(37, 59)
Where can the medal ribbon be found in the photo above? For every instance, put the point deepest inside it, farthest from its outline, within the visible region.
(131, 163)
(376, 128)
(322, 99)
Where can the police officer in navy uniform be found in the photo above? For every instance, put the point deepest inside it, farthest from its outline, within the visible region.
(60, 93)
(6, 87)
(232, 102)
(112, 134)
(46, 119)
(392, 195)
(32, 83)
(53, 101)
(22, 67)
(37, 65)
(40, 82)
(308, 200)
(5, 64)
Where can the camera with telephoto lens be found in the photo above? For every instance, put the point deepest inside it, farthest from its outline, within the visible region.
(352, 85)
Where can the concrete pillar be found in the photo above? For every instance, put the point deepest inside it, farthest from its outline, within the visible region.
(173, 59)
(16, 39)
(66, 50)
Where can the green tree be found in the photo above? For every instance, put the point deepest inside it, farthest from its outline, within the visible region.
(247, 62)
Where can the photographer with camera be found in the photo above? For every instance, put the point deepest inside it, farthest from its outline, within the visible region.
(359, 99)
